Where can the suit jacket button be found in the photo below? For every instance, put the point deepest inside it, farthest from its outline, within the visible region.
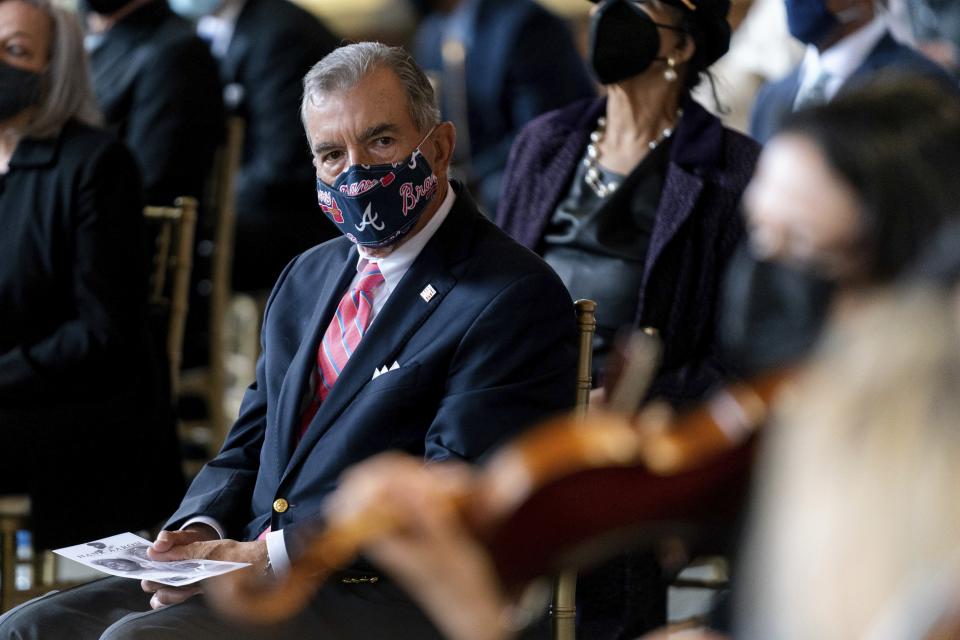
(280, 505)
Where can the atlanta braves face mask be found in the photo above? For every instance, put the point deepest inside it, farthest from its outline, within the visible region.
(376, 205)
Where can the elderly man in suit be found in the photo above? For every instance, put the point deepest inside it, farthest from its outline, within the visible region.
(847, 43)
(424, 329)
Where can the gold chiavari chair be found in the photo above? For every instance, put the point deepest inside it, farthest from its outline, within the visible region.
(210, 382)
(563, 608)
(172, 229)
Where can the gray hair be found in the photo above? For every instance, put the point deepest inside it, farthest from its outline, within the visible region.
(345, 67)
(66, 90)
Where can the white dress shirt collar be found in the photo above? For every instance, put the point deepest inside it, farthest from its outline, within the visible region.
(842, 59)
(395, 264)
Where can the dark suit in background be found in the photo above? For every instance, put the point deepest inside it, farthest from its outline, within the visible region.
(86, 429)
(521, 61)
(274, 44)
(775, 100)
(157, 85)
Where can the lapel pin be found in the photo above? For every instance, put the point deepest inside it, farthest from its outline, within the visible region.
(428, 293)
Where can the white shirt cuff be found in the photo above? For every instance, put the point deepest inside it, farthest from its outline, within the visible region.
(277, 552)
(210, 522)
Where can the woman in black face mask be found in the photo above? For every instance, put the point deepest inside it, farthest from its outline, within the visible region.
(77, 393)
(633, 200)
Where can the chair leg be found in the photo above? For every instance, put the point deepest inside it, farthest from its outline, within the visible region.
(564, 609)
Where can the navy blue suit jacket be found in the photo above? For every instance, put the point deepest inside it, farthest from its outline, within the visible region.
(493, 351)
(775, 100)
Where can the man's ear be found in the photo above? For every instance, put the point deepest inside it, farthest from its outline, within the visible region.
(442, 143)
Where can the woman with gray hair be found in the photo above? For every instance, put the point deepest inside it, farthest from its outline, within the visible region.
(78, 392)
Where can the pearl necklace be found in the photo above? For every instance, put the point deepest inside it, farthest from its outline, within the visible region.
(592, 174)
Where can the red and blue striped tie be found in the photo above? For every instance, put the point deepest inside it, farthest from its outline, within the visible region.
(342, 336)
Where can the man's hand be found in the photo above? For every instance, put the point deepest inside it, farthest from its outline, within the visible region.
(197, 543)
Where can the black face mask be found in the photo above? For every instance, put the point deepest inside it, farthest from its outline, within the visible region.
(770, 314)
(105, 7)
(624, 41)
(19, 89)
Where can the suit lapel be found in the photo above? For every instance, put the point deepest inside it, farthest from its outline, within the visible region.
(561, 165)
(296, 382)
(680, 193)
(878, 57)
(401, 317)
(115, 66)
(236, 49)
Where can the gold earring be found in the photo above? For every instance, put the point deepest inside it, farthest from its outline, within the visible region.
(670, 75)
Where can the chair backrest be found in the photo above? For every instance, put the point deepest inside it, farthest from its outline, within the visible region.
(587, 325)
(223, 191)
(223, 200)
(563, 609)
(172, 229)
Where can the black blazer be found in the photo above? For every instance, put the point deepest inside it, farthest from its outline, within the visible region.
(775, 100)
(159, 90)
(274, 44)
(78, 382)
(491, 352)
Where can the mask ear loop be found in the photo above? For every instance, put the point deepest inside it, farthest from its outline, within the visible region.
(413, 161)
(429, 133)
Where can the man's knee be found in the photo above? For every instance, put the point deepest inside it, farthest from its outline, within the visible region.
(135, 626)
(189, 619)
(25, 621)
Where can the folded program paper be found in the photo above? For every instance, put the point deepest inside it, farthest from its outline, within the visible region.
(125, 555)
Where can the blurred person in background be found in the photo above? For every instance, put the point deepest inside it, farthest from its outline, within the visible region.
(81, 394)
(936, 26)
(633, 200)
(761, 50)
(157, 85)
(499, 64)
(264, 48)
(847, 42)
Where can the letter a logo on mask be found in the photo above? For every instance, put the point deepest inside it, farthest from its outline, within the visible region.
(369, 219)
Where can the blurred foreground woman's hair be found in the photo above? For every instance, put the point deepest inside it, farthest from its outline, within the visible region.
(856, 527)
